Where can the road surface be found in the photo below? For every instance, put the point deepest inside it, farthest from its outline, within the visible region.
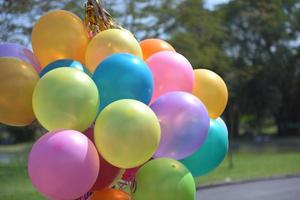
(280, 189)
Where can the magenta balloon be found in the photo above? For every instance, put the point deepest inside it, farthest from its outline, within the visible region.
(21, 52)
(63, 164)
(184, 124)
(171, 72)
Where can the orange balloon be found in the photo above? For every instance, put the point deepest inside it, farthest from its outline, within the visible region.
(17, 82)
(153, 46)
(110, 194)
(58, 35)
(210, 88)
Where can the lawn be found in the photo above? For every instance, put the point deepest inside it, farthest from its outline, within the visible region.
(249, 164)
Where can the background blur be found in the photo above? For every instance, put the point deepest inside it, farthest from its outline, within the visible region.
(253, 45)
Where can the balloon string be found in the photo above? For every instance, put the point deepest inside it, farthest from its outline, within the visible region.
(97, 19)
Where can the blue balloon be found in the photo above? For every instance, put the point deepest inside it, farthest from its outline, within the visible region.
(211, 154)
(65, 63)
(123, 76)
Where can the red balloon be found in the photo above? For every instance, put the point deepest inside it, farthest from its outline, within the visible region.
(90, 133)
(107, 173)
(129, 174)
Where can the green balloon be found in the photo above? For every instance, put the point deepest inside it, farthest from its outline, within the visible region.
(164, 179)
(65, 98)
(211, 154)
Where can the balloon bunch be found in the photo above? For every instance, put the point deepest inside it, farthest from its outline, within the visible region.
(137, 112)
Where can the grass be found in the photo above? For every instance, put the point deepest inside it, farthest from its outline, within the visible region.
(248, 164)
(15, 184)
(14, 181)
(251, 165)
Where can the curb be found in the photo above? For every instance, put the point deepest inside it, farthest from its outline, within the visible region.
(214, 185)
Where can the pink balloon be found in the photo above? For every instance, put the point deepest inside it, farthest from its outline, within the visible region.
(107, 173)
(63, 164)
(171, 72)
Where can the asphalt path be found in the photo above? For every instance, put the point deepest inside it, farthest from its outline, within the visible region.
(279, 189)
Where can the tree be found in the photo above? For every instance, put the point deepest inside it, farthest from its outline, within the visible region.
(18, 17)
(261, 33)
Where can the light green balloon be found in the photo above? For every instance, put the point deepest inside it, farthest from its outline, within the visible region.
(164, 179)
(65, 98)
(127, 133)
(213, 151)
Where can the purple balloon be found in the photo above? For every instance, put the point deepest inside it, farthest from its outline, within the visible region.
(20, 52)
(184, 124)
(63, 164)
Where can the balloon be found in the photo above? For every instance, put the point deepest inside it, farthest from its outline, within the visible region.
(212, 152)
(110, 194)
(129, 174)
(18, 80)
(63, 164)
(127, 133)
(57, 35)
(184, 124)
(65, 63)
(123, 76)
(210, 88)
(221, 121)
(164, 179)
(153, 46)
(65, 98)
(109, 42)
(108, 173)
(20, 52)
(171, 72)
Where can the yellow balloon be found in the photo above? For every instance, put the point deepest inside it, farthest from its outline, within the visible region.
(210, 88)
(109, 42)
(17, 82)
(127, 133)
(57, 35)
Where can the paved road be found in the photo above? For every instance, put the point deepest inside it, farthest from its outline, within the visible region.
(281, 189)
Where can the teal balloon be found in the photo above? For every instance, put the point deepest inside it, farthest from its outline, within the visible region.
(211, 154)
(164, 179)
(123, 76)
(65, 63)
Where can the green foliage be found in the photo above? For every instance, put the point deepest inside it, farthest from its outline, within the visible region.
(265, 62)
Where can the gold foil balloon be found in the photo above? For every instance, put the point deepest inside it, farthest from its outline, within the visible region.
(57, 35)
(109, 42)
(18, 80)
(210, 88)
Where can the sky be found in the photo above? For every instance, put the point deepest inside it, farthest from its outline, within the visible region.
(211, 3)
